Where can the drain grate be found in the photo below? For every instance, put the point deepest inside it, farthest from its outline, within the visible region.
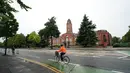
(4, 70)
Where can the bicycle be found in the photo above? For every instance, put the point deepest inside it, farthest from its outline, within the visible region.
(57, 58)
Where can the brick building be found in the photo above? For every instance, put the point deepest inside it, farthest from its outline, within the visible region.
(69, 38)
(104, 37)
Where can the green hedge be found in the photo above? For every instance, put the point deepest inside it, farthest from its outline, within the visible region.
(56, 46)
(121, 45)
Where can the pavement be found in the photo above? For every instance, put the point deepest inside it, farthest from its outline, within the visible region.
(13, 64)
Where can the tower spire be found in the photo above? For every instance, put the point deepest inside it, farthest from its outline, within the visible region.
(69, 26)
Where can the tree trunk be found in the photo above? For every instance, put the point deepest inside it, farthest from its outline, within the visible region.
(5, 45)
(51, 43)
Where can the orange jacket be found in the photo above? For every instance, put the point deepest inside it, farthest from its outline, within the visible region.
(62, 49)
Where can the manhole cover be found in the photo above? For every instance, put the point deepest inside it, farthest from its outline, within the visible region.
(4, 70)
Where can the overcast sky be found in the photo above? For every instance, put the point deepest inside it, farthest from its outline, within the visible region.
(111, 15)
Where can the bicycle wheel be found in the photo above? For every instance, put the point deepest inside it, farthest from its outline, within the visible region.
(57, 59)
(66, 59)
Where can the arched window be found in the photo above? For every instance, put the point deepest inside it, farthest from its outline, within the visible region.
(104, 38)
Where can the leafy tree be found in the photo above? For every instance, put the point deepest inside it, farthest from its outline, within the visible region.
(21, 40)
(8, 2)
(126, 37)
(18, 40)
(44, 40)
(8, 27)
(11, 41)
(34, 38)
(115, 40)
(8, 23)
(51, 30)
(86, 35)
(27, 41)
(1, 44)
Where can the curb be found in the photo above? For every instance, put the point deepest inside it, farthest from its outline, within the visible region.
(43, 65)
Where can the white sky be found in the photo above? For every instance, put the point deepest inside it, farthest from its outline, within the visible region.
(112, 15)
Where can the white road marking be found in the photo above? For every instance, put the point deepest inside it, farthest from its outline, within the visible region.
(123, 53)
(96, 56)
(34, 56)
(122, 57)
(62, 62)
(76, 55)
(117, 71)
(126, 59)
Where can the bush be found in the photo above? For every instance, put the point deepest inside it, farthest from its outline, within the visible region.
(116, 45)
(121, 45)
(56, 46)
(124, 44)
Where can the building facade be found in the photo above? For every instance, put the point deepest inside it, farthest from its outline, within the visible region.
(104, 38)
(69, 38)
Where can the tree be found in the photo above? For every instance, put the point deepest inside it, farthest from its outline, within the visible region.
(1, 44)
(34, 38)
(115, 40)
(126, 37)
(51, 30)
(8, 27)
(86, 35)
(18, 40)
(27, 41)
(8, 23)
(44, 40)
(8, 2)
(11, 41)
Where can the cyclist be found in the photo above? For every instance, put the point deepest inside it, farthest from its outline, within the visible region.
(62, 51)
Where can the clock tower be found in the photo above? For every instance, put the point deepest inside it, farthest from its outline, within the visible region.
(69, 26)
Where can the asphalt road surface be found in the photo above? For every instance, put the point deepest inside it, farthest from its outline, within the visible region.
(117, 63)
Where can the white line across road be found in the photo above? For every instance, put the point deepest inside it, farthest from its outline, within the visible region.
(123, 53)
(117, 71)
(122, 57)
(62, 62)
(34, 56)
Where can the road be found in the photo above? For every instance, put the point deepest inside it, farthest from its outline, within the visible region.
(94, 62)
